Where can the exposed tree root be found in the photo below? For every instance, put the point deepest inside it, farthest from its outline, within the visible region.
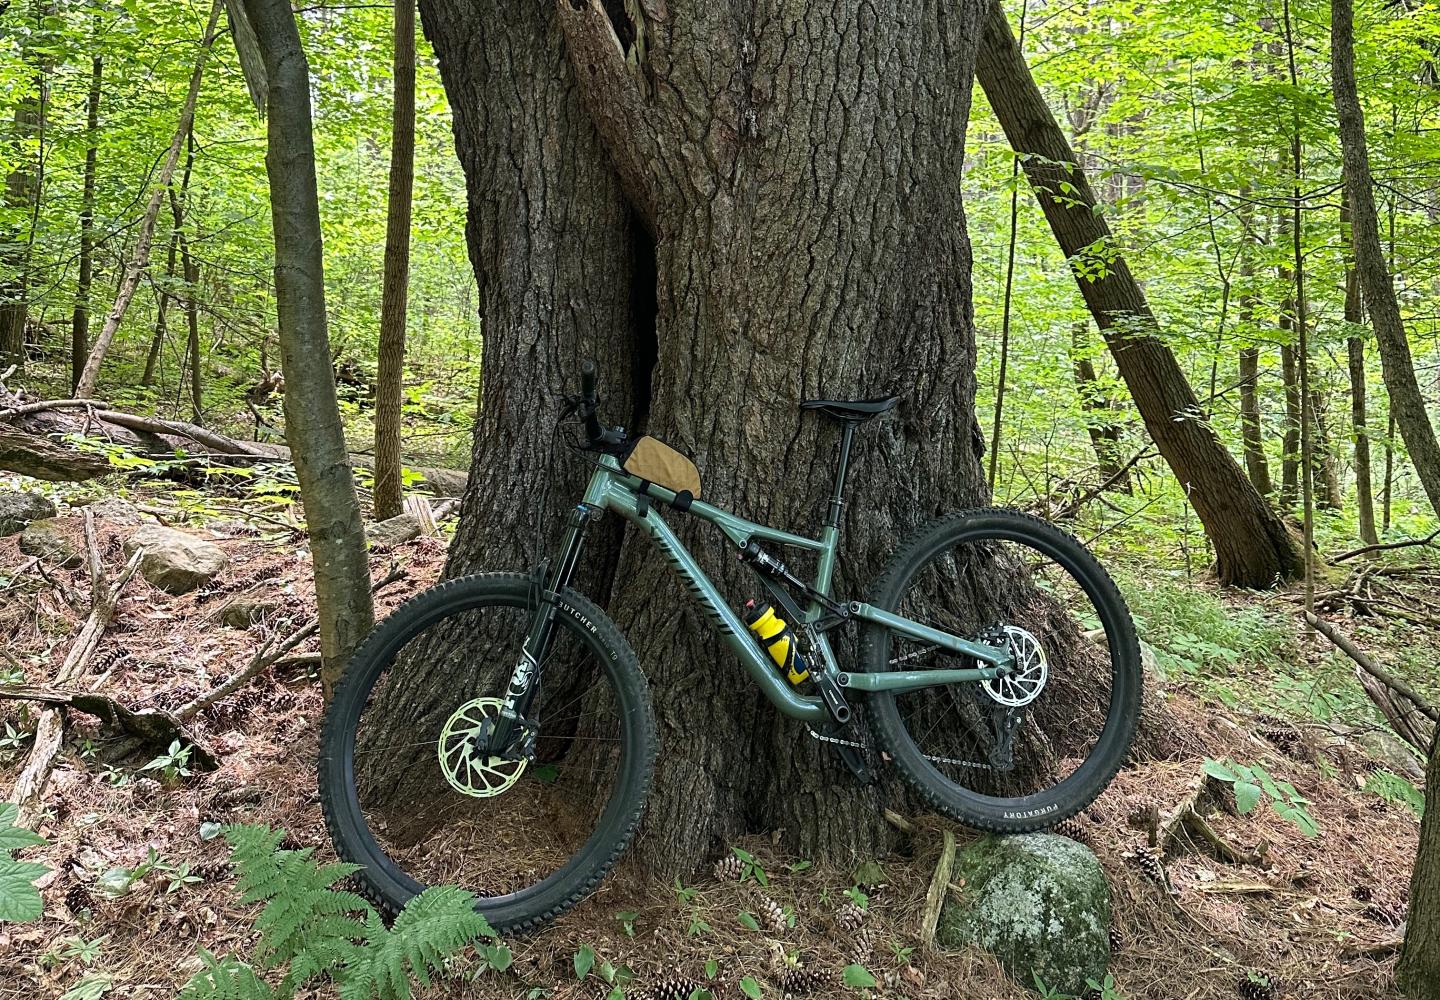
(50, 729)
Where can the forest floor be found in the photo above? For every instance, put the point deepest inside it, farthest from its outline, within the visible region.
(1318, 916)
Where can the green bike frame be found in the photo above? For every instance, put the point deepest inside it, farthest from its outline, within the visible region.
(612, 489)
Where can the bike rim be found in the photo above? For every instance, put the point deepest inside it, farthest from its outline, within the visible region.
(1008, 590)
(545, 814)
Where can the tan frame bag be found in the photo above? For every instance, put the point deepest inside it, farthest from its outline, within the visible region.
(656, 462)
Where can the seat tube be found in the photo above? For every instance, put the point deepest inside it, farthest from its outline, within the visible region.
(842, 468)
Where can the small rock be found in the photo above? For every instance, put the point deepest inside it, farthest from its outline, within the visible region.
(243, 614)
(18, 509)
(47, 539)
(393, 531)
(175, 562)
(1037, 902)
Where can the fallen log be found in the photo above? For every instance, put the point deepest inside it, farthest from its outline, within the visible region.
(150, 726)
(41, 458)
(157, 437)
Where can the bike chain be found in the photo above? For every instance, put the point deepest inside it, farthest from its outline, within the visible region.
(869, 750)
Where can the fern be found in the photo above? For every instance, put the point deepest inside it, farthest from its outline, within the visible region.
(433, 926)
(226, 978)
(316, 931)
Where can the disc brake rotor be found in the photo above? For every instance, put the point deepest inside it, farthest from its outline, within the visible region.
(1024, 684)
(461, 744)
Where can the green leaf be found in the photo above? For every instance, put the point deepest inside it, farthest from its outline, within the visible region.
(19, 899)
(750, 987)
(712, 968)
(857, 977)
(1219, 771)
(584, 961)
(92, 987)
(1247, 796)
(748, 921)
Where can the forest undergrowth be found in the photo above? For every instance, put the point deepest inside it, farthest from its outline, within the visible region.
(1305, 889)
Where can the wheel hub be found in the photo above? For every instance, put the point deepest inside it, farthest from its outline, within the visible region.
(1029, 673)
(463, 761)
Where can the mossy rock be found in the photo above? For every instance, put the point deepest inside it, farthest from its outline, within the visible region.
(1038, 902)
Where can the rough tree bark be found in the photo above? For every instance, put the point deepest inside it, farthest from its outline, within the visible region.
(789, 226)
(1253, 546)
(1406, 401)
(1418, 972)
(312, 415)
(130, 279)
(1256, 465)
(395, 290)
(80, 318)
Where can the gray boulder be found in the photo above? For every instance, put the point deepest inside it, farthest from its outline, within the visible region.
(18, 509)
(47, 539)
(1038, 902)
(175, 562)
(393, 531)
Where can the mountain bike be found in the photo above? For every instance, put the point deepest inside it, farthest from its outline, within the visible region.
(496, 732)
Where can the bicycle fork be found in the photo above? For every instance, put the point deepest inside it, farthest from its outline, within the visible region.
(525, 679)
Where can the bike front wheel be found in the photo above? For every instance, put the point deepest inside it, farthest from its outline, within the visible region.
(1023, 752)
(411, 794)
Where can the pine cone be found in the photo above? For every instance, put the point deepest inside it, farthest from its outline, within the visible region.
(798, 982)
(674, 988)
(283, 700)
(1117, 941)
(772, 916)
(729, 869)
(863, 945)
(1144, 810)
(1283, 737)
(147, 787)
(1150, 866)
(1256, 986)
(850, 917)
(1389, 914)
(1361, 893)
(108, 660)
(78, 898)
(1073, 829)
(215, 872)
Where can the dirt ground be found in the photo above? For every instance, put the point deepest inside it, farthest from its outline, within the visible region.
(1317, 915)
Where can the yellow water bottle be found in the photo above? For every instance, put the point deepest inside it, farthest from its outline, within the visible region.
(778, 640)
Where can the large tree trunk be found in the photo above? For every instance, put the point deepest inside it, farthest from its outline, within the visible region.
(389, 381)
(312, 415)
(1253, 546)
(1406, 401)
(1256, 465)
(130, 277)
(80, 319)
(1418, 971)
(740, 158)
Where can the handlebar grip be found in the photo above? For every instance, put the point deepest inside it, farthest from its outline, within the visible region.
(589, 403)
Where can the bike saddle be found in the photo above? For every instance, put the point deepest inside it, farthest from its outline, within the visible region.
(857, 409)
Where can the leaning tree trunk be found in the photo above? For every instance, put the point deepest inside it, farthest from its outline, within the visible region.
(1407, 403)
(1253, 546)
(786, 224)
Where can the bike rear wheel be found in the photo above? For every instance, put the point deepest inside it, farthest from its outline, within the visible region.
(410, 793)
(1068, 713)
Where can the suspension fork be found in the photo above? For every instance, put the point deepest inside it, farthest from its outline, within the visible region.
(524, 681)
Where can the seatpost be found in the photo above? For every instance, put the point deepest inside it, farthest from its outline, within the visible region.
(837, 499)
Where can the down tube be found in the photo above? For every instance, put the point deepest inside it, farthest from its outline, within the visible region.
(726, 621)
